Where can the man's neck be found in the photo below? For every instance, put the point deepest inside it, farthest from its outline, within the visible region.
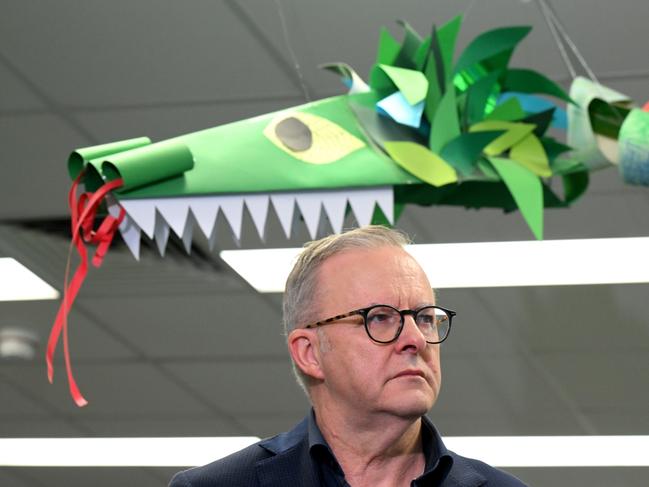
(381, 451)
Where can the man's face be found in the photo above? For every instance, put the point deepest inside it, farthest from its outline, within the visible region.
(400, 378)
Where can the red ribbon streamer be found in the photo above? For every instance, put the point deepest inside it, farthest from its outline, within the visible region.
(83, 211)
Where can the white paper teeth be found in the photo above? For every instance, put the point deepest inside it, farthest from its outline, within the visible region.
(284, 205)
(257, 205)
(156, 217)
(310, 205)
(143, 212)
(161, 234)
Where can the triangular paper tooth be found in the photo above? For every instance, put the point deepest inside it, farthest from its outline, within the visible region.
(175, 212)
(335, 205)
(363, 203)
(131, 236)
(188, 234)
(143, 214)
(161, 234)
(310, 205)
(205, 209)
(128, 229)
(232, 208)
(257, 205)
(284, 204)
(211, 241)
(385, 200)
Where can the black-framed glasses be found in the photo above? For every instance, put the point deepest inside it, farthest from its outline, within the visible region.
(384, 323)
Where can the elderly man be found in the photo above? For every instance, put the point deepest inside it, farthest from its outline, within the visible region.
(364, 334)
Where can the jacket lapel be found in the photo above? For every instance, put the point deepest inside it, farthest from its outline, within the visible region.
(291, 463)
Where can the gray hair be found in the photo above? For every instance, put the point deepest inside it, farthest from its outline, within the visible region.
(301, 285)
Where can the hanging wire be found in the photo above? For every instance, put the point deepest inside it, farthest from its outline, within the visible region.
(557, 39)
(289, 46)
(552, 16)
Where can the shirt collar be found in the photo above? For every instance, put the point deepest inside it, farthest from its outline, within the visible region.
(435, 452)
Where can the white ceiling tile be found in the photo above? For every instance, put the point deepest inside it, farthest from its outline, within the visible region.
(229, 385)
(199, 326)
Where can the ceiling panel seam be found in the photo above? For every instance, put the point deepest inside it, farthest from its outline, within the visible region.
(53, 107)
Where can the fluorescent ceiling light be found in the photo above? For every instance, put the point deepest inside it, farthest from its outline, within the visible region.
(118, 452)
(500, 451)
(484, 264)
(17, 283)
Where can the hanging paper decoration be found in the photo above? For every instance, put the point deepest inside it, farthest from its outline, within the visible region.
(430, 128)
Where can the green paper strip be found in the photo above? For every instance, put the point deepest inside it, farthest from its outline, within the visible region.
(413, 84)
(388, 48)
(515, 133)
(529, 152)
(526, 189)
(511, 109)
(445, 126)
(421, 162)
(411, 42)
(490, 44)
(145, 165)
(477, 96)
(542, 120)
(447, 36)
(79, 158)
(575, 178)
(434, 94)
(422, 54)
(464, 151)
(528, 81)
(381, 82)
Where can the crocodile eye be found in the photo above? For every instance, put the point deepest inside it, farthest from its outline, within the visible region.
(311, 138)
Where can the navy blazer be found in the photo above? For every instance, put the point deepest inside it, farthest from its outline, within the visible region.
(284, 461)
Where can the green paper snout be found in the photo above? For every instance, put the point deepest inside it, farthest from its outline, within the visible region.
(145, 165)
(79, 159)
(137, 161)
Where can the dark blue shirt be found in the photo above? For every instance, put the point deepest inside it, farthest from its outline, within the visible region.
(438, 460)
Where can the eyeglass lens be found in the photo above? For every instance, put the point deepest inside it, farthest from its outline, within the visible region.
(384, 323)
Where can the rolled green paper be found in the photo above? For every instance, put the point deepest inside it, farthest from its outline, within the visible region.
(79, 158)
(148, 164)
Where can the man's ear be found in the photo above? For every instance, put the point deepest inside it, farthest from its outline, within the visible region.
(304, 349)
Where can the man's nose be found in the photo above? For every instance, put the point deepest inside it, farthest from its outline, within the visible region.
(411, 336)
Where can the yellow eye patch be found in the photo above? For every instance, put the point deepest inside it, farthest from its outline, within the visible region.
(310, 138)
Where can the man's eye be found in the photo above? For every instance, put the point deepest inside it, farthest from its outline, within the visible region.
(379, 318)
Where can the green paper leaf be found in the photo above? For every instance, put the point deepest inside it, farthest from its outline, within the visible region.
(438, 61)
(463, 152)
(412, 84)
(422, 54)
(411, 42)
(421, 162)
(477, 96)
(509, 110)
(434, 94)
(490, 44)
(447, 35)
(526, 189)
(445, 126)
(381, 82)
(554, 149)
(575, 184)
(388, 48)
(542, 120)
(529, 152)
(487, 169)
(516, 131)
(528, 81)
